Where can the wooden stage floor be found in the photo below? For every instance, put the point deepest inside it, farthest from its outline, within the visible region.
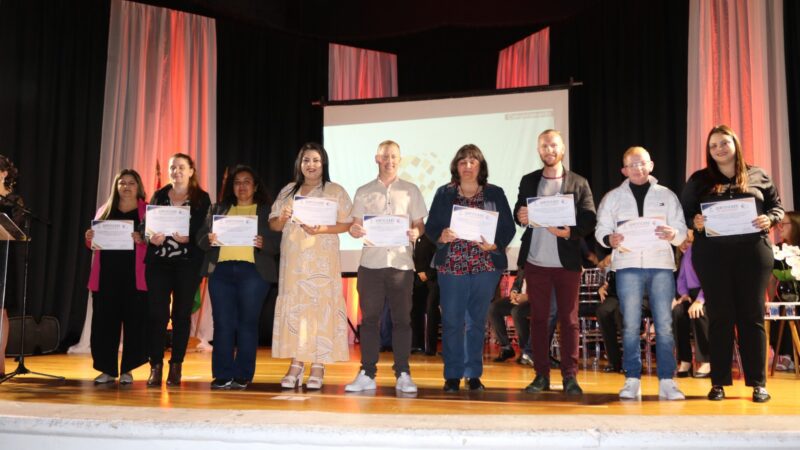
(503, 396)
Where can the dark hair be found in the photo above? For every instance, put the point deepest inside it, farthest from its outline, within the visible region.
(469, 151)
(794, 236)
(299, 179)
(260, 196)
(719, 181)
(195, 191)
(113, 199)
(11, 177)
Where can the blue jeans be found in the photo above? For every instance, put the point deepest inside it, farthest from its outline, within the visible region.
(465, 302)
(660, 287)
(237, 295)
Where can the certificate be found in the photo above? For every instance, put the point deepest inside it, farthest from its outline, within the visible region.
(235, 230)
(386, 231)
(167, 220)
(640, 234)
(112, 235)
(472, 223)
(730, 217)
(314, 211)
(551, 211)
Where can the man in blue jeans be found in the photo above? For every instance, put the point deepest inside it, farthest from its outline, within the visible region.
(641, 220)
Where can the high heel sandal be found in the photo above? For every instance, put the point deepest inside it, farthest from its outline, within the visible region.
(314, 381)
(290, 381)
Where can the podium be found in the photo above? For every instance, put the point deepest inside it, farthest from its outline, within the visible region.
(9, 232)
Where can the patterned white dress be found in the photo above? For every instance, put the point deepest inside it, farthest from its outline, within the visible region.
(310, 320)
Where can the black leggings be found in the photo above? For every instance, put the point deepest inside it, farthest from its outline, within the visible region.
(734, 277)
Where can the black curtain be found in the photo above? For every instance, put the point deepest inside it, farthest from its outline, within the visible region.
(266, 84)
(52, 77)
(632, 59)
(791, 22)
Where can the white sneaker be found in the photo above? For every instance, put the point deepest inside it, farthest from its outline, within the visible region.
(361, 383)
(668, 390)
(632, 390)
(405, 384)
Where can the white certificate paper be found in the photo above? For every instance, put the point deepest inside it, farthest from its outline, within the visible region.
(730, 217)
(112, 235)
(551, 211)
(237, 231)
(314, 211)
(640, 234)
(167, 220)
(386, 231)
(472, 223)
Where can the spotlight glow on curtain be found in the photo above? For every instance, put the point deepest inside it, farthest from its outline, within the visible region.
(737, 76)
(525, 63)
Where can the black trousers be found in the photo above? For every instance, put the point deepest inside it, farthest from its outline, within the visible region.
(178, 279)
(425, 315)
(684, 327)
(113, 312)
(734, 277)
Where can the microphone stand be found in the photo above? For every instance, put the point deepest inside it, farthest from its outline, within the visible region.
(21, 369)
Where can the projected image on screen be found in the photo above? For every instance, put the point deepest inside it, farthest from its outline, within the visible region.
(504, 127)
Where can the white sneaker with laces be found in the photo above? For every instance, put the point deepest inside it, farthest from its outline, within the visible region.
(631, 390)
(405, 384)
(361, 383)
(668, 390)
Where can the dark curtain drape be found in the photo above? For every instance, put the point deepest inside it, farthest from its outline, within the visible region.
(266, 84)
(632, 59)
(52, 75)
(791, 31)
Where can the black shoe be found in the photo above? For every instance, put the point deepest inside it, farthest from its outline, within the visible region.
(702, 374)
(612, 369)
(239, 383)
(156, 374)
(174, 375)
(685, 373)
(525, 360)
(717, 393)
(539, 384)
(221, 383)
(417, 350)
(451, 384)
(571, 386)
(505, 353)
(760, 394)
(475, 384)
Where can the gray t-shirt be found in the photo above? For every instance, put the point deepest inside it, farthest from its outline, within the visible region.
(544, 245)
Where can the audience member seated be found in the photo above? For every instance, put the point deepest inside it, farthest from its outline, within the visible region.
(689, 318)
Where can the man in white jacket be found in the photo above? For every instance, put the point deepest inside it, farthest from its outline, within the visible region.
(641, 221)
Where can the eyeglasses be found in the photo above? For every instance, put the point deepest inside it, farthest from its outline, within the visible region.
(638, 165)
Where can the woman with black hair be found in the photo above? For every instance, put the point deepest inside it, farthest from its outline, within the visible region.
(239, 278)
(10, 204)
(310, 320)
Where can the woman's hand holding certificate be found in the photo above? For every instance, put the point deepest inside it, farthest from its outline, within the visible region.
(730, 217)
(551, 211)
(112, 235)
(314, 211)
(235, 231)
(386, 231)
(474, 224)
(167, 220)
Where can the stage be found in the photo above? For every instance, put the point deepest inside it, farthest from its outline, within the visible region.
(76, 414)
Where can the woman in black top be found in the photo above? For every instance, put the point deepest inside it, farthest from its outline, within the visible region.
(10, 203)
(119, 291)
(173, 267)
(733, 270)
